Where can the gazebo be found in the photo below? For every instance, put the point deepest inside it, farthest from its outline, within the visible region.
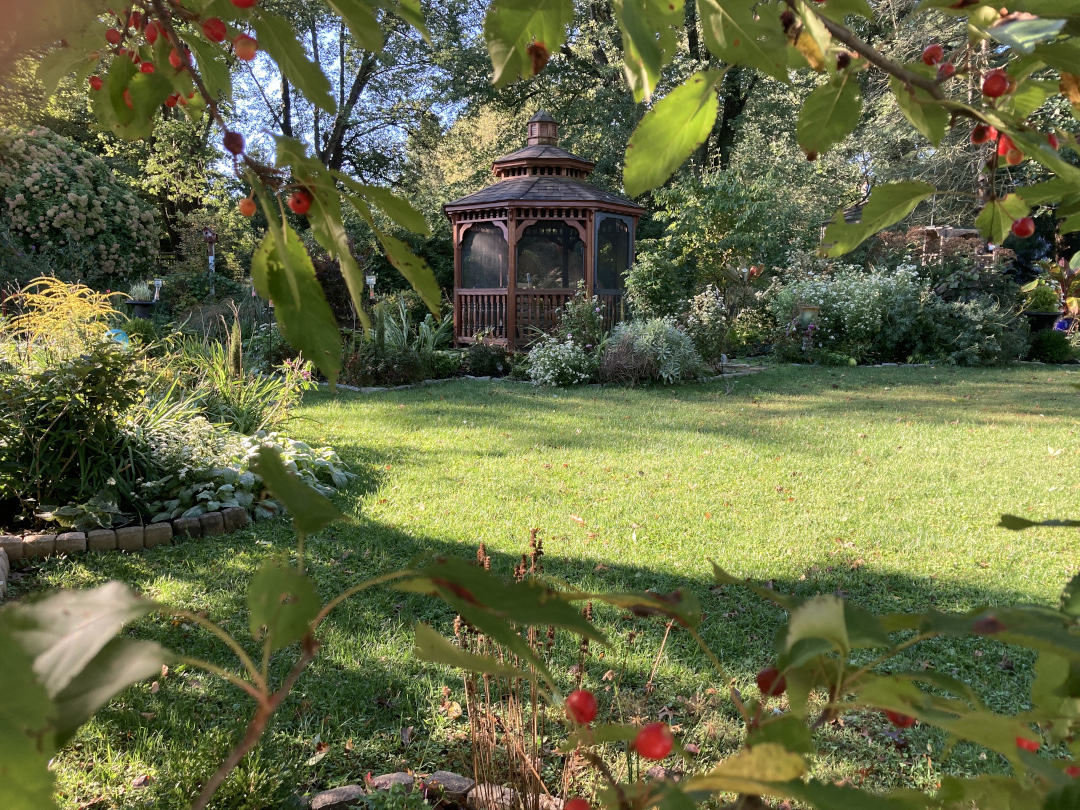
(523, 244)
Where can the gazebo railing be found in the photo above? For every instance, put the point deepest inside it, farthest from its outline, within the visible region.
(480, 311)
(612, 306)
(538, 309)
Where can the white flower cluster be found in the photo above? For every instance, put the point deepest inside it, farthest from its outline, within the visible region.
(554, 362)
(59, 197)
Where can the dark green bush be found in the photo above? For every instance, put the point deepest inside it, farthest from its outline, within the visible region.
(445, 364)
(486, 360)
(370, 364)
(143, 330)
(1050, 346)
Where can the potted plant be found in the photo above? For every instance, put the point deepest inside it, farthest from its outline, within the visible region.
(1042, 305)
(141, 300)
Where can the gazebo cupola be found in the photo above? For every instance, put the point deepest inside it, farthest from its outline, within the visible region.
(524, 244)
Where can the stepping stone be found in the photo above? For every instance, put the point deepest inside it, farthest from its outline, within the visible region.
(388, 780)
(340, 798)
(453, 786)
(493, 797)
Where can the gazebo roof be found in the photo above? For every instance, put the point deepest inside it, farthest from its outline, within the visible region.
(543, 151)
(542, 189)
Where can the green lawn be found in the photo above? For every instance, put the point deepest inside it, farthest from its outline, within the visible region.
(883, 484)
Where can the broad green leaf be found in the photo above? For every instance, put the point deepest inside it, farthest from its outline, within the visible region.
(1050, 191)
(212, 66)
(281, 271)
(670, 132)
(277, 37)
(398, 209)
(788, 603)
(58, 63)
(431, 646)
(864, 629)
(754, 770)
(830, 113)
(819, 618)
(827, 796)
(26, 722)
(1018, 523)
(282, 600)
(411, 12)
(511, 26)
(148, 92)
(735, 36)
(1066, 797)
(888, 204)
(837, 10)
(921, 110)
(1024, 35)
(997, 216)
(414, 268)
(649, 42)
(1070, 598)
(120, 663)
(121, 72)
(1063, 56)
(64, 632)
(36, 24)
(310, 510)
(786, 730)
(989, 790)
(680, 605)
(361, 22)
(1027, 98)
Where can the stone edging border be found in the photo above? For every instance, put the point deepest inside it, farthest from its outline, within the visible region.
(36, 546)
(438, 788)
(378, 389)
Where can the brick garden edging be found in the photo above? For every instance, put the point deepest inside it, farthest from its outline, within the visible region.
(39, 545)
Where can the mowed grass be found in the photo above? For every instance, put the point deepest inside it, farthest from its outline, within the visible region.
(881, 484)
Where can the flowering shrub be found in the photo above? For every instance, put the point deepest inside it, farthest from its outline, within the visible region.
(654, 350)
(60, 200)
(583, 320)
(707, 323)
(560, 362)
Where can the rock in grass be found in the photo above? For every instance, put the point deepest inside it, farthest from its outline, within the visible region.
(453, 786)
(388, 780)
(340, 798)
(492, 797)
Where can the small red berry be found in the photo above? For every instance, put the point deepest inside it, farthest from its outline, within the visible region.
(1014, 157)
(581, 706)
(1073, 771)
(995, 83)
(96, 83)
(300, 201)
(176, 60)
(214, 29)
(135, 20)
(234, 142)
(1027, 745)
(147, 67)
(181, 100)
(1052, 139)
(1023, 228)
(172, 100)
(576, 804)
(945, 71)
(1005, 145)
(245, 47)
(247, 209)
(980, 134)
(244, 3)
(988, 626)
(654, 741)
(900, 720)
(112, 36)
(153, 30)
(932, 54)
(771, 682)
(127, 99)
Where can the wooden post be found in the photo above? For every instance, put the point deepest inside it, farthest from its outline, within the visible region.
(457, 277)
(590, 254)
(511, 280)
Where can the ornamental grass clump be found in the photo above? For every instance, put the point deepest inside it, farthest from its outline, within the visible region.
(653, 350)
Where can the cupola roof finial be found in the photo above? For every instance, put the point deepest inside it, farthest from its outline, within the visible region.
(543, 129)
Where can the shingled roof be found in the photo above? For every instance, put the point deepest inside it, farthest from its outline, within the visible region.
(545, 189)
(542, 151)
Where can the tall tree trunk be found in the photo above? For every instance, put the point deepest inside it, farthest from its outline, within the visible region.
(286, 109)
(334, 153)
(735, 98)
(341, 66)
(692, 40)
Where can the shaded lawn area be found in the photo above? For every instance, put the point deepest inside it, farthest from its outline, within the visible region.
(882, 484)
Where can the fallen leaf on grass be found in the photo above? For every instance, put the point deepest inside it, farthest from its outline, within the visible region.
(577, 520)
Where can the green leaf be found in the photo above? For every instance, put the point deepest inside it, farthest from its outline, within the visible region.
(753, 770)
(830, 113)
(121, 72)
(282, 272)
(786, 730)
(1070, 598)
(837, 10)
(414, 268)
(311, 511)
(680, 605)
(148, 92)
(1063, 56)
(734, 36)
(649, 42)
(510, 26)
(864, 629)
(26, 740)
(212, 66)
(64, 632)
(431, 646)
(670, 132)
(282, 600)
(277, 37)
(921, 110)
(788, 603)
(997, 216)
(410, 12)
(1049, 191)
(819, 618)
(1066, 797)
(361, 22)
(398, 209)
(120, 663)
(1027, 98)
(1017, 524)
(826, 796)
(42, 23)
(1024, 35)
(888, 204)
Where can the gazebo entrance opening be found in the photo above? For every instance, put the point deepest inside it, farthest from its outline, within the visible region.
(523, 246)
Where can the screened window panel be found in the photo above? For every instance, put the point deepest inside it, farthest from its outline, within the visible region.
(612, 254)
(485, 257)
(550, 255)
